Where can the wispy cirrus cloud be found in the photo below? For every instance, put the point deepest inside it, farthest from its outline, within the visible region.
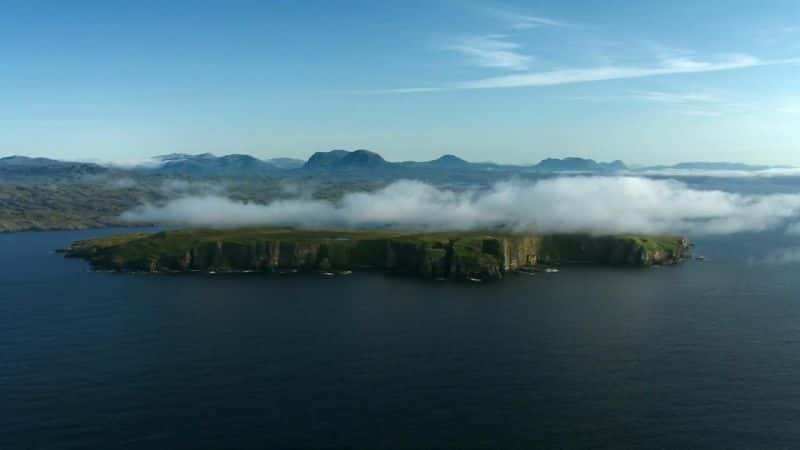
(675, 97)
(700, 104)
(492, 50)
(518, 20)
(583, 75)
(525, 22)
(557, 77)
(504, 51)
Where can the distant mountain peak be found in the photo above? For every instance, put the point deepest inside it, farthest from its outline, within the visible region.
(344, 160)
(286, 163)
(362, 158)
(320, 160)
(207, 164)
(238, 157)
(577, 164)
(718, 165)
(19, 160)
(449, 160)
(18, 165)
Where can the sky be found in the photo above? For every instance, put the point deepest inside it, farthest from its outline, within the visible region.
(648, 82)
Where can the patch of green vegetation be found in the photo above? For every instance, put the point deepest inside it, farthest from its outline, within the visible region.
(656, 243)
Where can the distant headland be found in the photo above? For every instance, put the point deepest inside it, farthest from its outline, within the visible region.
(474, 255)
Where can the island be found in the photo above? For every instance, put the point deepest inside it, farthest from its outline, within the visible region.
(475, 255)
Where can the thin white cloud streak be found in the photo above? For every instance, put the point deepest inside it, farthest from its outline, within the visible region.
(566, 204)
(519, 21)
(675, 66)
(675, 97)
(493, 51)
(526, 22)
(570, 76)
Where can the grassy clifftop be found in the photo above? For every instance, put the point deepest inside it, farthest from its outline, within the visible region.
(474, 254)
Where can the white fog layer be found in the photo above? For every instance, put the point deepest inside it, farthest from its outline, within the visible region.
(565, 204)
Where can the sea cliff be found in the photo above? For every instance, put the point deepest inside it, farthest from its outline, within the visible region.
(456, 255)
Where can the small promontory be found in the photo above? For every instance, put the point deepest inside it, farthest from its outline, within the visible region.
(456, 255)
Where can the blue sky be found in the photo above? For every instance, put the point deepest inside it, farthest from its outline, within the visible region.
(646, 81)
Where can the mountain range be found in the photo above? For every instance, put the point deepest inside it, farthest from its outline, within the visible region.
(354, 162)
(13, 167)
(48, 194)
(334, 163)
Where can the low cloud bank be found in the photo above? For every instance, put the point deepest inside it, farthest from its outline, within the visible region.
(566, 204)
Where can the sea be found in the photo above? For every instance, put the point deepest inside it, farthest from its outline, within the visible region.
(701, 355)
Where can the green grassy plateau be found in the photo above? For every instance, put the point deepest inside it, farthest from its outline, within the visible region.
(450, 254)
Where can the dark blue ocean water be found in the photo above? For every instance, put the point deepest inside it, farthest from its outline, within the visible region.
(705, 355)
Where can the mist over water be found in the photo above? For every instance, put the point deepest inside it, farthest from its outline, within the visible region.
(592, 204)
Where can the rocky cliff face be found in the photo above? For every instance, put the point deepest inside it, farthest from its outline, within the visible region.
(613, 250)
(436, 255)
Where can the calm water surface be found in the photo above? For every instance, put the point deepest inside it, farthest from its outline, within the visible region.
(706, 355)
